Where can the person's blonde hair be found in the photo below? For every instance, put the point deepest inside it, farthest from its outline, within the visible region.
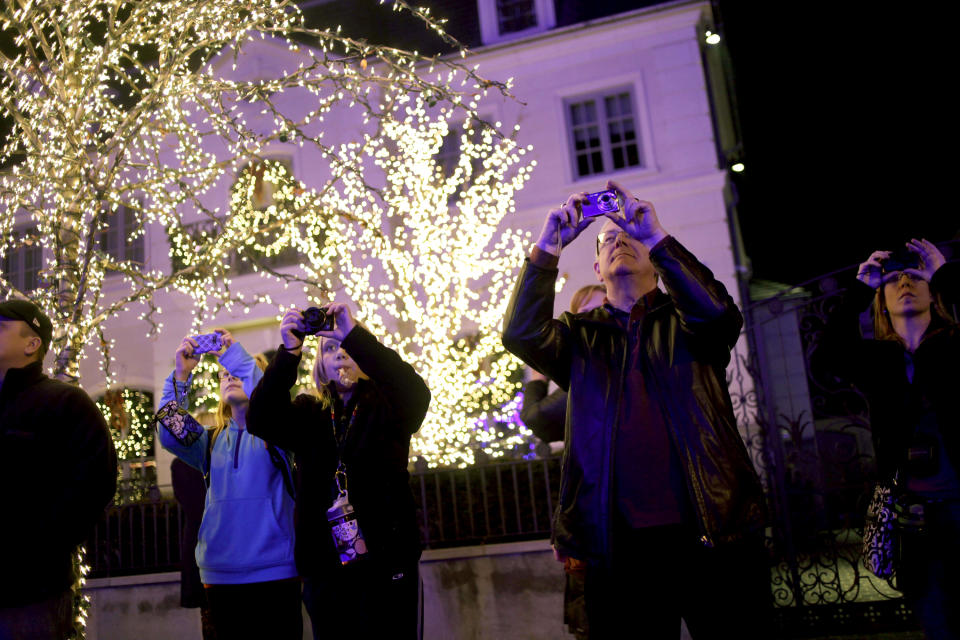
(320, 377)
(224, 412)
(583, 293)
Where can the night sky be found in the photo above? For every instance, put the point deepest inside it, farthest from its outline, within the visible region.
(850, 129)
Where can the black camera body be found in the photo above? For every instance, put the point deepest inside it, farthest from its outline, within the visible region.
(315, 320)
(899, 260)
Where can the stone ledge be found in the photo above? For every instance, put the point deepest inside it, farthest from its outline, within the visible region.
(430, 555)
(476, 551)
(135, 580)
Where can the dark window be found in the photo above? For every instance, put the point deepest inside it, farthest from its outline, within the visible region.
(516, 15)
(603, 133)
(120, 239)
(448, 156)
(22, 264)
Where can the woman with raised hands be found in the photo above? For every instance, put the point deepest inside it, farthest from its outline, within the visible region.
(358, 543)
(908, 371)
(245, 547)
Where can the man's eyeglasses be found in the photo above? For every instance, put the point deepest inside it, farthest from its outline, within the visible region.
(607, 238)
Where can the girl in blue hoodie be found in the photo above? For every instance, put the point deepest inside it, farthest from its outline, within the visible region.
(246, 541)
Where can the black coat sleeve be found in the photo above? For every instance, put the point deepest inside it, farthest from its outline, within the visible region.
(88, 468)
(705, 308)
(273, 415)
(544, 414)
(398, 382)
(529, 330)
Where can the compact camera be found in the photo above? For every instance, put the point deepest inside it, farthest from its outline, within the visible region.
(315, 320)
(600, 203)
(208, 342)
(900, 260)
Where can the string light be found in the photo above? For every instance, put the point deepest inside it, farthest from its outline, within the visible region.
(422, 248)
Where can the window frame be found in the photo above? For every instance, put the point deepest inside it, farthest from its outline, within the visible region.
(130, 250)
(19, 254)
(490, 21)
(599, 96)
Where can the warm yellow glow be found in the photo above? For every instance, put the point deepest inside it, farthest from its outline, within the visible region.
(419, 244)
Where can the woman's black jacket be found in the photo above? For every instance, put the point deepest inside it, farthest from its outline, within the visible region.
(878, 369)
(391, 406)
(687, 338)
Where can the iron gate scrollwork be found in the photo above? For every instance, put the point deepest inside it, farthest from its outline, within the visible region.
(808, 435)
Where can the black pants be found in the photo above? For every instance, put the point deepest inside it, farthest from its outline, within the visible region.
(662, 574)
(256, 610)
(365, 600)
(49, 619)
(929, 567)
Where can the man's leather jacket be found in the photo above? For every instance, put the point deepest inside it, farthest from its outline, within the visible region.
(688, 335)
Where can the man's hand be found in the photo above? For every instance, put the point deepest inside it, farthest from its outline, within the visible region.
(343, 322)
(184, 359)
(930, 258)
(639, 218)
(563, 225)
(292, 321)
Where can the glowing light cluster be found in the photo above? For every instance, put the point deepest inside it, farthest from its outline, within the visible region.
(129, 414)
(144, 107)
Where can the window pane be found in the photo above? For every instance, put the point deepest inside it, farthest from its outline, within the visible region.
(31, 267)
(576, 114)
(591, 107)
(579, 140)
(583, 167)
(516, 15)
(594, 136)
(615, 137)
(597, 162)
(611, 106)
(621, 131)
(617, 158)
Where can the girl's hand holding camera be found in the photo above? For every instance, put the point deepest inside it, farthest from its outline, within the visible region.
(290, 325)
(293, 326)
(184, 359)
(343, 322)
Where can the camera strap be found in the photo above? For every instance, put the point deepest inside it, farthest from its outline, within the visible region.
(340, 475)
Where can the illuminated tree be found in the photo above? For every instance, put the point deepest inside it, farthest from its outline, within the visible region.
(127, 115)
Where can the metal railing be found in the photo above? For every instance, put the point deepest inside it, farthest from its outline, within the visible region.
(140, 537)
(502, 502)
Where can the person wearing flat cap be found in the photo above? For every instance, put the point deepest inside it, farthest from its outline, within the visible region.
(58, 471)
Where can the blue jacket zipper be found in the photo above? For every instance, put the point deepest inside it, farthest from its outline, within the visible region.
(236, 450)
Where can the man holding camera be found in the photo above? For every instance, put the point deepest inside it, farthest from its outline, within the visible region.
(58, 471)
(658, 495)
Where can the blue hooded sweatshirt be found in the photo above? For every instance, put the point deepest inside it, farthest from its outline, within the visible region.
(247, 530)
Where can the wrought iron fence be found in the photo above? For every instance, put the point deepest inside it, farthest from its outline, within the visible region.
(809, 437)
(491, 503)
(139, 537)
(501, 502)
